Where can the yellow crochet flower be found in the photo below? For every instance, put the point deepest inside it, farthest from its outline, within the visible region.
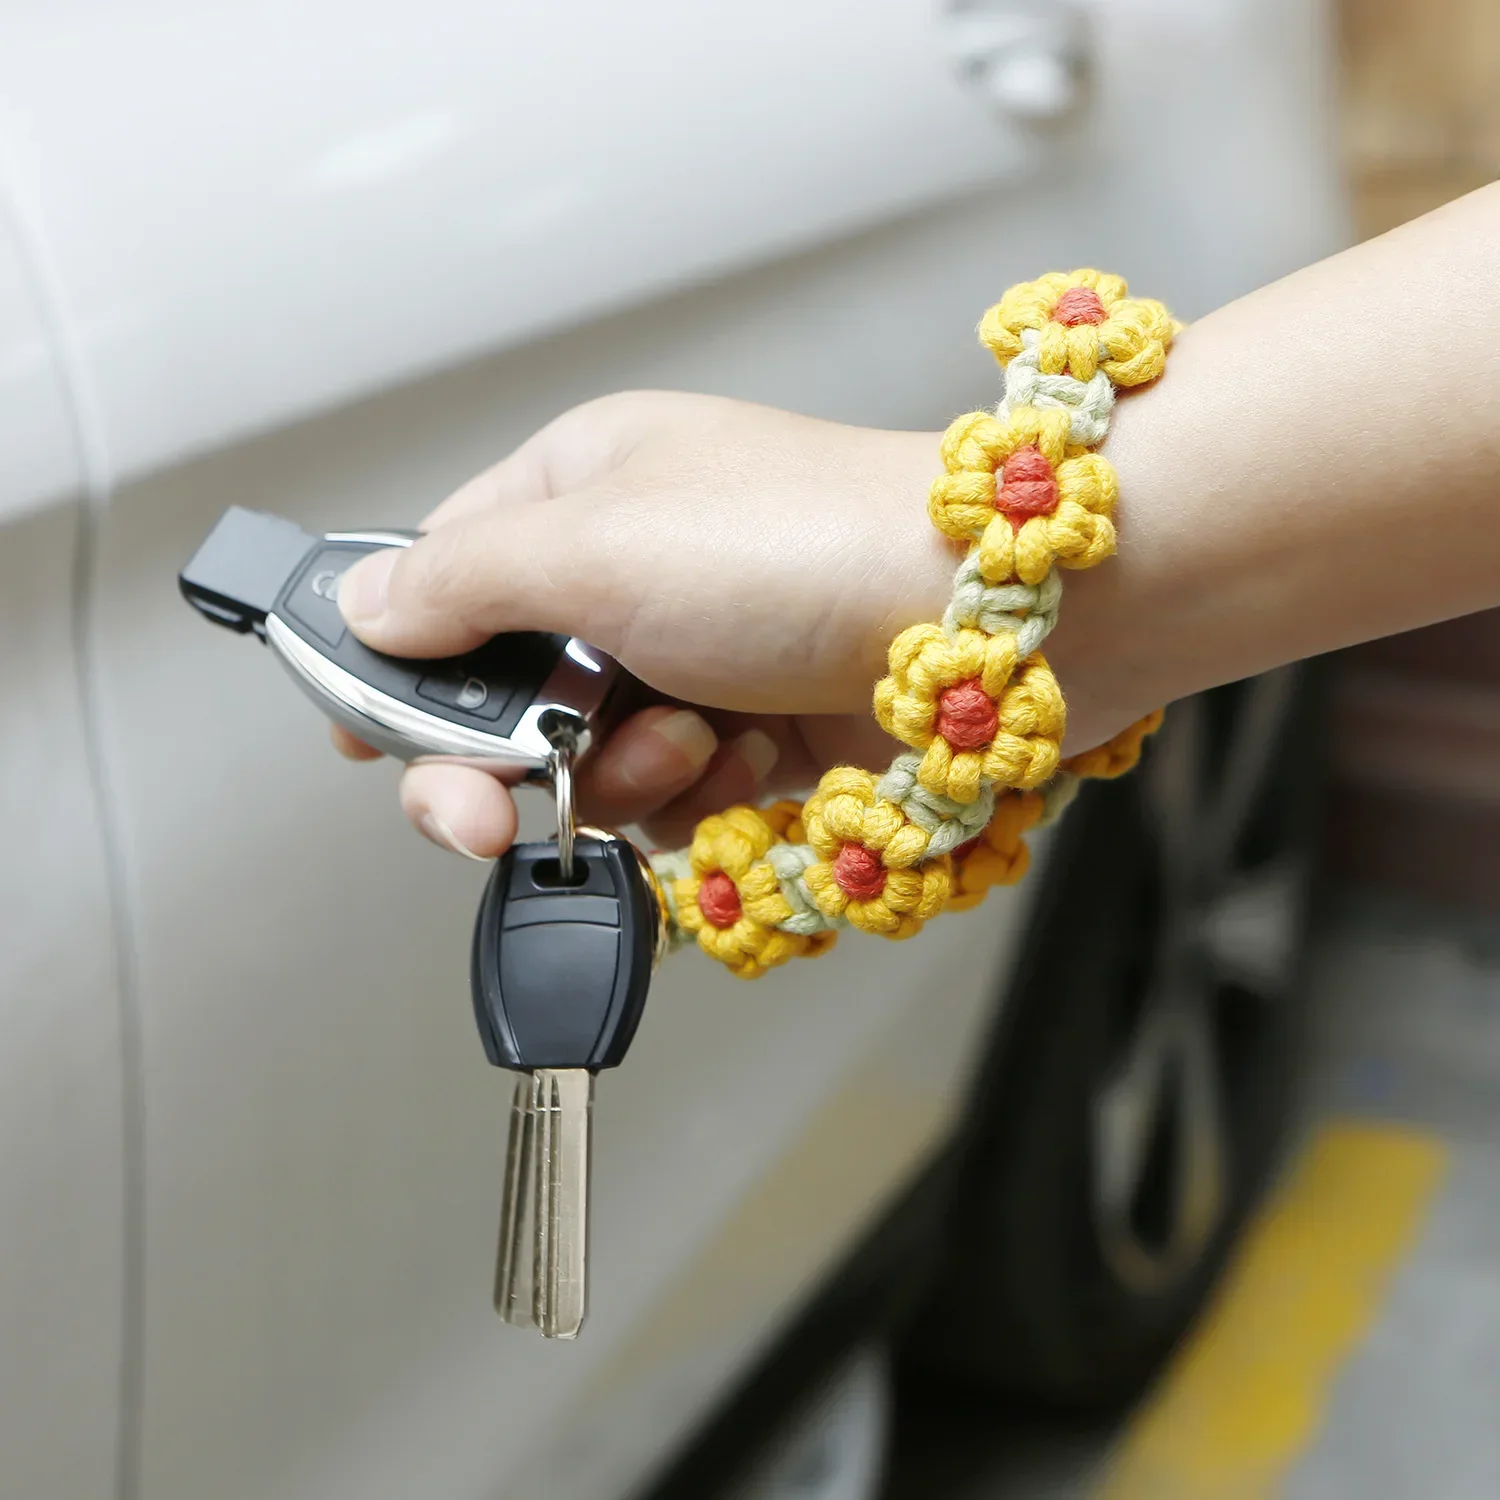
(1084, 322)
(999, 856)
(1028, 497)
(977, 713)
(871, 867)
(1117, 756)
(732, 902)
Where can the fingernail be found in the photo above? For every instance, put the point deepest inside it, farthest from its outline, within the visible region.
(690, 734)
(432, 827)
(364, 587)
(758, 750)
(655, 757)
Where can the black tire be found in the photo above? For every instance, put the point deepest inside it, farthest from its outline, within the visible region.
(1083, 1242)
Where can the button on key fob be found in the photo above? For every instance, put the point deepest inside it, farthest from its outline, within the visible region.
(504, 706)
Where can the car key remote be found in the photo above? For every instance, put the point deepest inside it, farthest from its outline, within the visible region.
(560, 971)
(568, 934)
(510, 706)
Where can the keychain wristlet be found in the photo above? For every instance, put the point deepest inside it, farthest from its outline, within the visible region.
(972, 697)
(569, 934)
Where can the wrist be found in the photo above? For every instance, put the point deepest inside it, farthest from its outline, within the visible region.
(1121, 645)
(969, 693)
(1115, 646)
(913, 563)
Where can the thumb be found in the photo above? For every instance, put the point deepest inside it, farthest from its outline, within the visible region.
(514, 568)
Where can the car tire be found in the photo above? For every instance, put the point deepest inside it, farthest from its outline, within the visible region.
(1145, 1059)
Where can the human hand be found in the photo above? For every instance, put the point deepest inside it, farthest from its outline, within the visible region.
(749, 566)
(755, 565)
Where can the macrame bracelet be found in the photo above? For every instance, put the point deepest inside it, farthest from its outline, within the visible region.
(972, 698)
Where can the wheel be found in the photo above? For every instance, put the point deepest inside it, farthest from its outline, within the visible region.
(1144, 1060)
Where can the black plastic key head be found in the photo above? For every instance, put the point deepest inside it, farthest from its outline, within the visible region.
(561, 970)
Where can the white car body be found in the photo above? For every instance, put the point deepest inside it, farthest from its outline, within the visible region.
(328, 259)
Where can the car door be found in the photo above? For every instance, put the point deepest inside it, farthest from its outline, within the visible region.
(66, 1134)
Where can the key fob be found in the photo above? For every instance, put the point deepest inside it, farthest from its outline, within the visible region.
(560, 971)
(503, 706)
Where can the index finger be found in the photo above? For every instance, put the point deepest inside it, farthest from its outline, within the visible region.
(572, 451)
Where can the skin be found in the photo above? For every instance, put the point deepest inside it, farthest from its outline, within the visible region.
(1316, 468)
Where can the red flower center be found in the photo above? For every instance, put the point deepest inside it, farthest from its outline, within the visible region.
(718, 900)
(1025, 487)
(859, 872)
(966, 716)
(1079, 304)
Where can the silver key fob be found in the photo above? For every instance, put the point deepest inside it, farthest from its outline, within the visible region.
(503, 707)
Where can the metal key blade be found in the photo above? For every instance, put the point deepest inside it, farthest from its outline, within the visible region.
(562, 1112)
(514, 1281)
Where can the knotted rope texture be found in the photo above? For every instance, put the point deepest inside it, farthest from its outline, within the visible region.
(972, 698)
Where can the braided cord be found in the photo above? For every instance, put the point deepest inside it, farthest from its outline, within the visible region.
(972, 698)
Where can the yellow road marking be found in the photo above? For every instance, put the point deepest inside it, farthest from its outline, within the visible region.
(1247, 1393)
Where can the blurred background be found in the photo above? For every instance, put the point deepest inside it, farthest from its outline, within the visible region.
(1204, 1205)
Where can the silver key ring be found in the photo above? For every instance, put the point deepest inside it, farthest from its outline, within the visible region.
(560, 764)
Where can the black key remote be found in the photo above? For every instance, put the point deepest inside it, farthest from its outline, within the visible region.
(560, 974)
(560, 970)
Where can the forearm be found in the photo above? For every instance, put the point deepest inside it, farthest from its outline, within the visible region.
(1317, 467)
